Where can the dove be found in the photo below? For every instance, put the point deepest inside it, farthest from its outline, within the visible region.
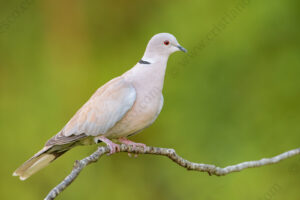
(121, 108)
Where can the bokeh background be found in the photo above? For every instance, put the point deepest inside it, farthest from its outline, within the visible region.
(234, 97)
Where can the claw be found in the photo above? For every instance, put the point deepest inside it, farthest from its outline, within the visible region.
(133, 144)
(112, 146)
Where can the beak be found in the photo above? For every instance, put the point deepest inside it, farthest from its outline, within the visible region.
(181, 48)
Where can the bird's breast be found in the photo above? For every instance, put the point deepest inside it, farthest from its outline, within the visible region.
(143, 113)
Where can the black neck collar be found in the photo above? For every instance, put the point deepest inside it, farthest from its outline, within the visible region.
(144, 62)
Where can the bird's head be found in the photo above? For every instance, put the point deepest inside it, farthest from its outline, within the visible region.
(163, 44)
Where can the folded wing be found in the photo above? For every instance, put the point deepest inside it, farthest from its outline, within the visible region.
(100, 113)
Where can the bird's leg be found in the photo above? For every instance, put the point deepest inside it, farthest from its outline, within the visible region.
(133, 144)
(112, 146)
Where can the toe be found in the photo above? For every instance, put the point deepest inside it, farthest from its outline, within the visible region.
(112, 151)
(117, 148)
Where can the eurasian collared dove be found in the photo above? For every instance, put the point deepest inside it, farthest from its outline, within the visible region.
(121, 108)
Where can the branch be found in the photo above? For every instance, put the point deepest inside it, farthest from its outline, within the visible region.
(170, 153)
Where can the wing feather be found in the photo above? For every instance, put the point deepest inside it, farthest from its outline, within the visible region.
(101, 112)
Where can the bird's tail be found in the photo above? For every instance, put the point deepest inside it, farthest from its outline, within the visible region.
(40, 160)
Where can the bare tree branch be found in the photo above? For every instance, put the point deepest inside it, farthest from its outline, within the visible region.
(170, 153)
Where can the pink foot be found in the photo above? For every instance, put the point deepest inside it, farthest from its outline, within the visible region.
(112, 146)
(133, 144)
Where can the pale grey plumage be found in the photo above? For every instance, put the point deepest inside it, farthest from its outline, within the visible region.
(103, 110)
(122, 107)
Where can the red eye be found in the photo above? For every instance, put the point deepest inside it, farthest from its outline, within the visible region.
(166, 42)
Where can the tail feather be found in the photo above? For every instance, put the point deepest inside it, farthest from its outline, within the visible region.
(40, 160)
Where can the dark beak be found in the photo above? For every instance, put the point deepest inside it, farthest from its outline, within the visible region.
(181, 48)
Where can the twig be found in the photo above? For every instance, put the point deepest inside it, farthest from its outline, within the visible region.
(170, 153)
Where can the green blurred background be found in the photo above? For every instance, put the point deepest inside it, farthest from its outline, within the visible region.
(234, 97)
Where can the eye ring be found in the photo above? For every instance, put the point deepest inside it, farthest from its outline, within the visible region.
(166, 42)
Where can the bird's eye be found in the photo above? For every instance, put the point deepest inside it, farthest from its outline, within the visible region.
(166, 42)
